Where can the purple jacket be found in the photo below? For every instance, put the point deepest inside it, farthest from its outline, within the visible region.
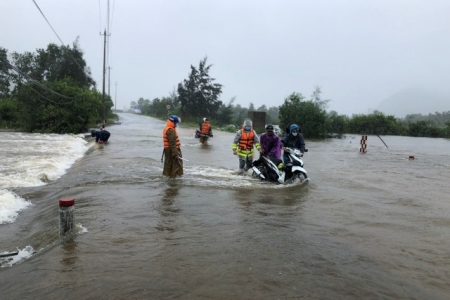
(271, 144)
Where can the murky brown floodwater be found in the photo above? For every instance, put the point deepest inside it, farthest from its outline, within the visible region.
(367, 226)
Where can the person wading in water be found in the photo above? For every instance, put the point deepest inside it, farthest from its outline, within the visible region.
(173, 164)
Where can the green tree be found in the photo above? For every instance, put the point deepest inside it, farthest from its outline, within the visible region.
(424, 129)
(45, 111)
(317, 98)
(53, 91)
(8, 112)
(312, 119)
(4, 73)
(199, 95)
(60, 62)
(375, 123)
(225, 114)
(272, 115)
(239, 114)
(262, 108)
(338, 123)
(53, 64)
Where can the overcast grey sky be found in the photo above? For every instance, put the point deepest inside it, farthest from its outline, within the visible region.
(359, 52)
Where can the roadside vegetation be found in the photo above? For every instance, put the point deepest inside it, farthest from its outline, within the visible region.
(198, 96)
(51, 90)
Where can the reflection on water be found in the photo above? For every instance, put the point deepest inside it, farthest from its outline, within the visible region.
(69, 255)
(168, 207)
(172, 190)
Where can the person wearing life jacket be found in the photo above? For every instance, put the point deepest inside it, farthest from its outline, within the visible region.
(293, 139)
(173, 164)
(205, 127)
(243, 143)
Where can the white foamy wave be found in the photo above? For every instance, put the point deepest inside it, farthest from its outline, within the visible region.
(208, 176)
(10, 205)
(80, 229)
(33, 160)
(21, 255)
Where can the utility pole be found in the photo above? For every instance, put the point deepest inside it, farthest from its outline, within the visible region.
(115, 101)
(109, 81)
(104, 75)
(109, 34)
(105, 47)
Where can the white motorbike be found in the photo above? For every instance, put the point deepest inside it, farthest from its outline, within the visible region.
(267, 169)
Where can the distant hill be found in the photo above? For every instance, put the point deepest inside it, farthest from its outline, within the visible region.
(414, 101)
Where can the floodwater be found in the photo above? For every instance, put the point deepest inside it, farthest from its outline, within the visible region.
(366, 226)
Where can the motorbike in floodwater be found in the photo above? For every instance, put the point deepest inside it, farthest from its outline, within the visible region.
(273, 169)
(202, 137)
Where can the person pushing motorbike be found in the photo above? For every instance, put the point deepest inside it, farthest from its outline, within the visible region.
(243, 143)
(294, 139)
(270, 143)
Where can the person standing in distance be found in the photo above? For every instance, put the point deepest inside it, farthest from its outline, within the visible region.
(243, 144)
(173, 164)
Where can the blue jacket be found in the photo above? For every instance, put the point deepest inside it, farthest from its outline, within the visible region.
(291, 141)
(102, 135)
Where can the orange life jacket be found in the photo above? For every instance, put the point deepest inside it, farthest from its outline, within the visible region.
(166, 139)
(206, 127)
(247, 139)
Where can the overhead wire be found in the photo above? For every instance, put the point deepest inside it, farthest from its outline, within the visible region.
(100, 15)
(42, 96)
(110, 27)
(76, 62)
(48, 21)
(29, 78)
(112, 15)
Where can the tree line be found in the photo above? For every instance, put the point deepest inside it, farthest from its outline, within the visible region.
(50, 90)
(198, 96)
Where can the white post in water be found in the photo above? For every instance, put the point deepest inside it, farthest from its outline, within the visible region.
(66, 208)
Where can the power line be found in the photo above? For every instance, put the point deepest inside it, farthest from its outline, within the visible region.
(100, 15)
(48, 21)
(76, 62)
(35, 81)
(42, 96)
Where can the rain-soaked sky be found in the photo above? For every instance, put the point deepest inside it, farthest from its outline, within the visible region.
(359, 52)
